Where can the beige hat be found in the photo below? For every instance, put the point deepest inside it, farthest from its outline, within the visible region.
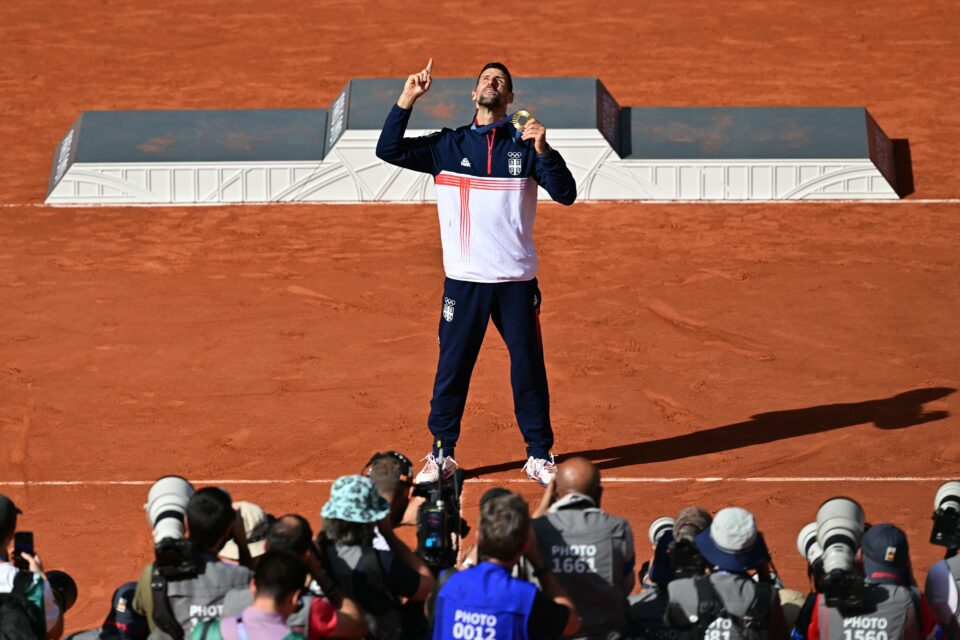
(255, 525)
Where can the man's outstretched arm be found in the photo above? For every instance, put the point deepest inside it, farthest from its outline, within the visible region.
(392, 147)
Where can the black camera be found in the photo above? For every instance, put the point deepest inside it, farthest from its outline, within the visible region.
(946, 517)
(843, 590)
(175, 559)
(439, 526)
(685, 559)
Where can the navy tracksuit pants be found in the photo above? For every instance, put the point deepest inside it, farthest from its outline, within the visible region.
(515, 310)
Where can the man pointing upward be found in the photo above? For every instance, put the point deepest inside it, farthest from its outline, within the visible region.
(486, 175)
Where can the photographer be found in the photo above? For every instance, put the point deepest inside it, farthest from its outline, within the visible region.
(943, 578)
(173, 607)
(485, 601)
(122, 622)
(278, 584)
(675, 556)
(26, 599)
(588, 550)
(728, 602)
(942, 590)
(320, 615)
(375, 579)
(391, 473)
(891, 603)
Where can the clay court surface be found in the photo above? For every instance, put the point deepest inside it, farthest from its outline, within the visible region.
(740, 342)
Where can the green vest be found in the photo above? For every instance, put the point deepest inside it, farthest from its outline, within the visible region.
(210, 630)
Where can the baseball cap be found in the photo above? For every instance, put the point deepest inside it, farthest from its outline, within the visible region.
(732, 542)
(123, 621)
(886, 555)
(256, 524)
(355, 499)
(8, 514)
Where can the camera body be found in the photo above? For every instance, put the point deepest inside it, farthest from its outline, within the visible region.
(685, 559)
(439, 527)
(175, 559)
(946, 516)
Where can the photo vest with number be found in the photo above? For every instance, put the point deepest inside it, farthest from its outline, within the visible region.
(891, 615)
(735, 591)
(483, 603)
(583, 546)
(201, 598)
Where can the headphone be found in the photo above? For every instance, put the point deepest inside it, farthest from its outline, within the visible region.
(406, 475)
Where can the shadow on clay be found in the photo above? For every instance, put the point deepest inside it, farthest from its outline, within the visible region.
(901, 411)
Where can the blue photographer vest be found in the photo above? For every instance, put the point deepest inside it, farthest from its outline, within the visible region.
(483, 603)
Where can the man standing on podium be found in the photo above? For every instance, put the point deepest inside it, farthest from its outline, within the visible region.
(486, 175)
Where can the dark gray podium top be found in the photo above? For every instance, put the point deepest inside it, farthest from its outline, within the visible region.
(562, 103)
(257, 135)
(744, 133)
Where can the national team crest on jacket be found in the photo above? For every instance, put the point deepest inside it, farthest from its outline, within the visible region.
(448, 309)
(514, 165)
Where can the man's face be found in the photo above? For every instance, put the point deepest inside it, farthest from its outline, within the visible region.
(491, 90)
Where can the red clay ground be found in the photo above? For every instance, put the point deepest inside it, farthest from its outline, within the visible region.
(288, 342)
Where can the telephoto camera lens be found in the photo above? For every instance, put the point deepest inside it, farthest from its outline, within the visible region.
(807, 543)
(946, 515)
(659, 527)
(839, 529)
(948, 496)
(167, 506)
(64, 588)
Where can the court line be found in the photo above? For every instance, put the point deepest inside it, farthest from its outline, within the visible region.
(619, 480)
(43, 205)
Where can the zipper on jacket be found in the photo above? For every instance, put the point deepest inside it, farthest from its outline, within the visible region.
(490, 137)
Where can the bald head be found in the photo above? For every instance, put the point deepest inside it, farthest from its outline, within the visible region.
(577, 475)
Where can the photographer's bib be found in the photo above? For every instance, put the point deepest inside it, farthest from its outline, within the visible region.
(483, 603)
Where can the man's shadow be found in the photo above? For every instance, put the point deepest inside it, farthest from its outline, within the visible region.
(900, 411)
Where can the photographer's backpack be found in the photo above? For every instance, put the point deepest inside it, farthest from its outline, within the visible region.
(19, 618)
(752, 625)
(383, 612)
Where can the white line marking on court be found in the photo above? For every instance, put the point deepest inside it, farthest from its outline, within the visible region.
(622, 480)
(42, 205)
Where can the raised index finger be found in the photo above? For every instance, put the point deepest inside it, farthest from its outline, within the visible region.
(430, 65)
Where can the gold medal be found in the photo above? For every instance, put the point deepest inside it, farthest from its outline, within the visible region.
(525, 116)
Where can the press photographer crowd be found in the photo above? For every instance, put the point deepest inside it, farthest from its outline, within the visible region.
(563, 568)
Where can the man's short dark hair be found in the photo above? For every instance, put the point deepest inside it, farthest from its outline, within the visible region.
(387, 473)
(279, 574)
(501, 67)
(290, 533)
(504, 525)
(209, 514)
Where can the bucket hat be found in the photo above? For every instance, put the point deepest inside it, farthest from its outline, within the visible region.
(732, 542)
(355, 499)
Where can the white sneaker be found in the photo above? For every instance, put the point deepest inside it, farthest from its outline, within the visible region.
(541, 470)
(431, 470)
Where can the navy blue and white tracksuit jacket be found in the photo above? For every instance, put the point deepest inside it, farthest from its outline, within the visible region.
(486, 193)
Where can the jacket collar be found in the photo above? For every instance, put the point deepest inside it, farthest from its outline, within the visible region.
(573, 501)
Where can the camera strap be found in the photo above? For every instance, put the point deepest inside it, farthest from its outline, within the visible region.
(758, 613)
(162, 613)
